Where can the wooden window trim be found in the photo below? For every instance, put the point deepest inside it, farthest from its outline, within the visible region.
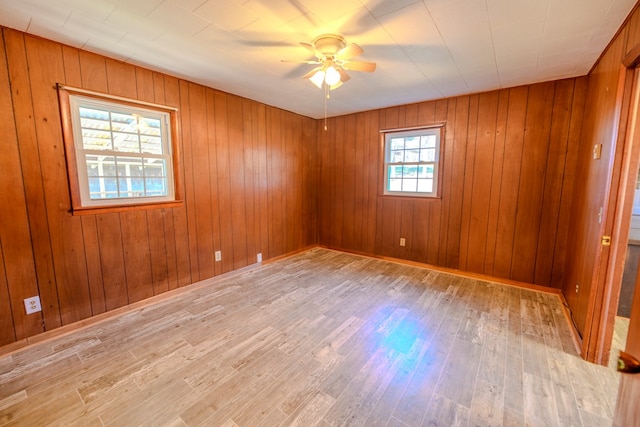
(64, 94)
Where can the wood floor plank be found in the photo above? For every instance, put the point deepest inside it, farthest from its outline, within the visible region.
(320, 338)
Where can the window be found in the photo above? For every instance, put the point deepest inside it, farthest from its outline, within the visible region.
(412, 162)
(120, 153)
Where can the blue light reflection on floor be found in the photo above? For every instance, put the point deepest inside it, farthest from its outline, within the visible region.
(403, 336)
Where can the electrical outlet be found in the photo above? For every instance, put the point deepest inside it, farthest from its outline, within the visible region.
(32, 305)
(403, 241)
(577, 287)
(218, 256)
(259, 256)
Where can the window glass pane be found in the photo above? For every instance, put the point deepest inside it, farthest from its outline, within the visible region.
(430, 170)
(151, 144)
(412, 142)
(94, 113)
(394, 171)
(422, 171)
(428, 155)
(395, 185)
(156, 187)
(412, 156)
(154, 168)
(397, 143)
(100, 165)
(129, 166)
(428, 141)
(103, 188)
(125, 142)
(397, 156)
(131, 187)
(93, 139)
(425, 185)
(410, 185)
(124, 122)
(149, 126)
(410, 171)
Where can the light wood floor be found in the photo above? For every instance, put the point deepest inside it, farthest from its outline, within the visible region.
(321, 338)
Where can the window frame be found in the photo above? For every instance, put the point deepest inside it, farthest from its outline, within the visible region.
(386, 135)
(69, 119)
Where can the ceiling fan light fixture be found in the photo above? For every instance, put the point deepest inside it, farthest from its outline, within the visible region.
(318, 78)
(331, 76)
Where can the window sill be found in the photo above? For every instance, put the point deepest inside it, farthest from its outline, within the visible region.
(94, 210)
(408, 197)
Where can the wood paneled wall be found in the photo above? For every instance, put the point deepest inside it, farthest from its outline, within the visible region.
(601, 124)
(248, 180)
(509, 170)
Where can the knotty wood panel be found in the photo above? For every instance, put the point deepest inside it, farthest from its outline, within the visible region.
(34, 190)
(505, 168)
(243, 178)
(17, 274)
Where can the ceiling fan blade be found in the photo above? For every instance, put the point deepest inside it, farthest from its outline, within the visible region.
(311, 73)
(300, 62)
(368, 67)
(312, 49)
(344, 77)
(350, 51)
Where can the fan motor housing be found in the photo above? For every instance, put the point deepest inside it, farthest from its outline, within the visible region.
(329, 44)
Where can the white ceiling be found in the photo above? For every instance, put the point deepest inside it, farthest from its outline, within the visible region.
(425, 49)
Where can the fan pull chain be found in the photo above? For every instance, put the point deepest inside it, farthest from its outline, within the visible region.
(326, 97)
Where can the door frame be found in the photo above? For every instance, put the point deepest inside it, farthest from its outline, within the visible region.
(596, 343)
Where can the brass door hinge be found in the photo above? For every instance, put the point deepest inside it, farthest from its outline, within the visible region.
(606, 241)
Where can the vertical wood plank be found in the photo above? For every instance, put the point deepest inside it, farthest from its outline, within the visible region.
(45, 69)
(496, 180)
(447, 178)
(349, 183)
(201, 181)
(224, 189)
(248, 141)
(94, 71)
(238, 211)
(514, 138)
(338, 175)
(112, 261)
(121, 78)
(457, 182)
(137, 257)
(157, 251)
(467, 195)
(212, 156)
(373, 177)
(17, 276)
(555, 167)
(189, 184)
(7, 331)
(535, 150)
(262, 181)
(569, 182)
(435, 205)
(176, 224)
(92, 250)
(29, 161)
(480, 190)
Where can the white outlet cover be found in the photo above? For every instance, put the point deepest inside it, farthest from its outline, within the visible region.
(259, 257)
(32, 305)
(218, 255)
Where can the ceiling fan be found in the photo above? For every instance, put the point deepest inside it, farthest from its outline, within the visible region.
(334, 58)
